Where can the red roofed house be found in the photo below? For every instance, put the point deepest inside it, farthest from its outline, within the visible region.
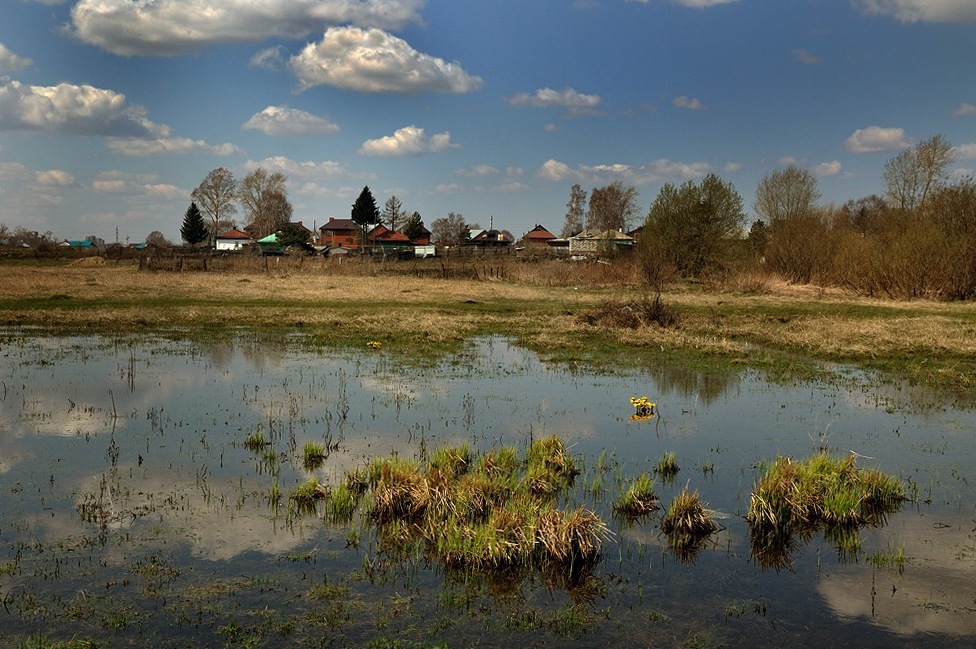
(384, 237)
(537, 237)
(340, 233)
(232, 240)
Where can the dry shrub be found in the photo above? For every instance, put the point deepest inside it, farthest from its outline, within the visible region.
(634, 314)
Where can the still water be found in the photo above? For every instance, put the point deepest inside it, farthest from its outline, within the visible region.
(132, 514)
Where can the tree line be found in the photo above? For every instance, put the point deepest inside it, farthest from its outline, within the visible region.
(918, 240)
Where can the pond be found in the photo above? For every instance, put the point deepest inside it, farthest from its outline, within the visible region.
(133, 513)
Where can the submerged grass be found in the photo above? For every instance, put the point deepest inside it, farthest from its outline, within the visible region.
(639, 499)
(492, 511)
(822, 492)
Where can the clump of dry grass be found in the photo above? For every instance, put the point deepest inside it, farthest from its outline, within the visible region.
(639, 500)
(491, 511)
(633, 314)
(686, 517)
(793, 497)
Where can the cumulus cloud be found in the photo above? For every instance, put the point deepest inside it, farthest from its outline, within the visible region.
(832, 168)
(964, 109)
(695, 4)
(80, 110)
(171, 27)
(54, 178)
(371, 60)
(964, 152)
(143, 147)
(306, 169)
(114, 186)
(10, 62)
(281, 120)
(168, 192)
(409, 140)
(934, 11)
(477, 171)
(568, 98)
(806, 57)
(657, 171)
(876, 138)
(688, 102)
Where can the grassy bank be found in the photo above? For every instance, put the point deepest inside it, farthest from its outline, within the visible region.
(549, 309)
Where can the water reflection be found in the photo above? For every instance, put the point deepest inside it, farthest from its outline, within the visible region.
(112, 449)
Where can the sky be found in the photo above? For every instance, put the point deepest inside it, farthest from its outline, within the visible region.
(113, 111)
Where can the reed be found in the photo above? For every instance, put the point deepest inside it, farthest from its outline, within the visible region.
(667, 466)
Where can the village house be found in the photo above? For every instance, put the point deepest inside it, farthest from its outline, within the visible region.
(232, 240)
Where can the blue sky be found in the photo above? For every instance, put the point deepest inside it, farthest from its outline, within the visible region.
(113, 111)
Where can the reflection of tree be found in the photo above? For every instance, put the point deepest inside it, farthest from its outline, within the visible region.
(707, 385)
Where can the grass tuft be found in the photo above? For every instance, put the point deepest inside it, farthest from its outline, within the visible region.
(639, 499)
(793, 497)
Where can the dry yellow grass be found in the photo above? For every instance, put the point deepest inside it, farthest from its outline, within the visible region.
(932, 340)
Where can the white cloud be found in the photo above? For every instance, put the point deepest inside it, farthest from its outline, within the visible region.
(688, 102)
(732, 167)
(81, 110)
(477, 171)
(832, 168)
(142, 147)
(964, 151)
(170, 27)
(964, 109)
(657, 171)
(54, 178)
(168, 192)
(409, 140)
(269, 59)
(109, 186)
(876, 138)
(307, 169)
(910, 11)
(806, 57)
(10, 62)
(573, 100)
(374, 61)
(695, 4)
(447, 188)
(281, 120)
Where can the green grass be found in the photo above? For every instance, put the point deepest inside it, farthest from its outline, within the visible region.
(800, 497)
(667, 466)
(313, 455)
(256, 441)
(639, 499)
(484, 512)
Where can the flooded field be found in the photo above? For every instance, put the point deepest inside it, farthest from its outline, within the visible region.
(146, 483)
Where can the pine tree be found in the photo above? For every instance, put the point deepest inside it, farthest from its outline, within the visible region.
(364, 211)
(194, 230)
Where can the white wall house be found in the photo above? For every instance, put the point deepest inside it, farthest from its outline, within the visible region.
(232, 240)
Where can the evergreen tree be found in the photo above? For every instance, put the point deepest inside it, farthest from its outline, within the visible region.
(194, 230)
(414, 226)
(364, 211)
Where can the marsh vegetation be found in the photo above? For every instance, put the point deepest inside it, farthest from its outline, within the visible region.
(247, 470)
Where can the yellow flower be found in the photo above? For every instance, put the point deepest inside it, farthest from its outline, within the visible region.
(374, 344)
(645, 408)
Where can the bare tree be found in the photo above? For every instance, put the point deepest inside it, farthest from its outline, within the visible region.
(265, 201)
(450, 231)
(613, 207)
(158, 239)
(575, 211)
(215, 196)
(393, 214)
(911, 175)
(786, 194)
